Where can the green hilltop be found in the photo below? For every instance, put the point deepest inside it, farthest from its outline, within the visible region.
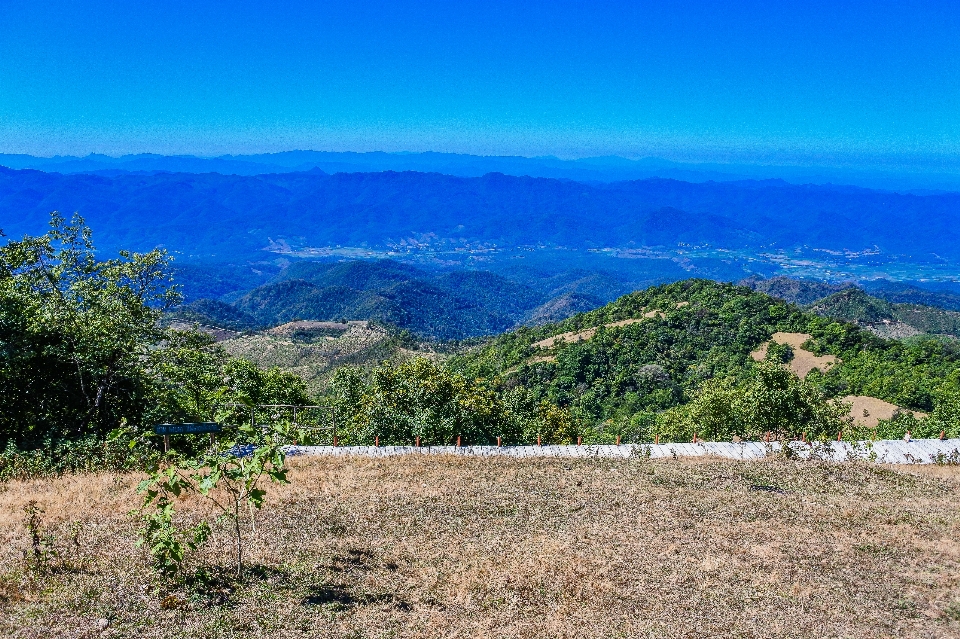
(627, 364)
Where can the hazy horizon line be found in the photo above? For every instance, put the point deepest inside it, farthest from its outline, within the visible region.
(882, 163)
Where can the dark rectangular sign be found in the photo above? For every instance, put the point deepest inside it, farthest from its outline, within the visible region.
(186, 429)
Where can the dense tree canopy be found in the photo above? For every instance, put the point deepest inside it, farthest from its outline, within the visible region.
(684, 365)
(83, 349)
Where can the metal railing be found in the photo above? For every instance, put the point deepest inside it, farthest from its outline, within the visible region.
(302, 421)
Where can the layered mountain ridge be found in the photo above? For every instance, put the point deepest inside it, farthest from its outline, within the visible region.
(228, 217)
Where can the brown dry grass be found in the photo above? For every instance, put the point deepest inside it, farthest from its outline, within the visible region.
(467, 547)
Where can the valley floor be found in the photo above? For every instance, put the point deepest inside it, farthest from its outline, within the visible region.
(424, 546)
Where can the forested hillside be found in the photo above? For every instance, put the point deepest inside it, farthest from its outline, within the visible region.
(441, 306)
(676, 358)
(438, 305)
(892, 310)
(795, 291)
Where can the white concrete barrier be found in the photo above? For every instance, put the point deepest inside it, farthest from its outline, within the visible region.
(918, 451)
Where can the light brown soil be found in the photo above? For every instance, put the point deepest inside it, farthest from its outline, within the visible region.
(570, 338)
(868, 411)
(582, 336)
(803, 361)
(457, 547)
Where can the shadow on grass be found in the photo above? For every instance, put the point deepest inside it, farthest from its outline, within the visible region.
(342, 595)
(353, 559)
(217, 585)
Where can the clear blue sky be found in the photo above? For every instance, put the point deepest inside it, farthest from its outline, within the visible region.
(770, 82)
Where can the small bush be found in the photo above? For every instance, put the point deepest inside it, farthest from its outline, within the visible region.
(88, 454)
(41, 544)
(779, 353)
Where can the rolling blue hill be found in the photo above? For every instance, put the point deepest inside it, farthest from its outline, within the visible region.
(218, 217)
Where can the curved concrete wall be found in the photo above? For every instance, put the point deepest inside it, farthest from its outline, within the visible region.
(918, 451)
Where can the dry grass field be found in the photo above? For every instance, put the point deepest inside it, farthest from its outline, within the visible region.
(466, 547)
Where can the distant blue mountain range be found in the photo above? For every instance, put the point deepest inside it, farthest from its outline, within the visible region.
(598, 169)
(644, 230)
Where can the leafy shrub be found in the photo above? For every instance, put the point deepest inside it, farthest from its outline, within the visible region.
(229, 477)
(425, 400)
(779, 353)
(772, 400)
(87, 454)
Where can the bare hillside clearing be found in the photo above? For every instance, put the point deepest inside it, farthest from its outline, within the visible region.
(868, 411)
(351, 343)
(803, 360)
(584, 335)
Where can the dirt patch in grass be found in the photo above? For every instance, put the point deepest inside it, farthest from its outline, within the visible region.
(803, 360)
(460, 547)
(868, 411)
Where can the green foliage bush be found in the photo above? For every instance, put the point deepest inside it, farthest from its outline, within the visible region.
(773, 400)
(779, 353)
(419, 398)
(230, 481)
